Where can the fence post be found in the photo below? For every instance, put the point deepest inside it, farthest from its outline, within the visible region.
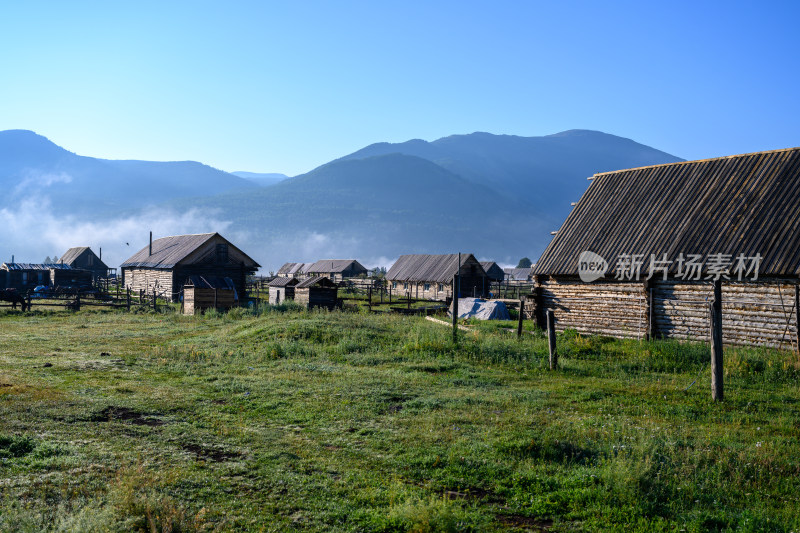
(78, 301)
(716, 343)
(521, 314)
(215, 298)
(455, 308)
(129, 298)
(551, 339)
(154, 298)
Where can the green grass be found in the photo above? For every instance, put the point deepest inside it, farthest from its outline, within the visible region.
(284, 419)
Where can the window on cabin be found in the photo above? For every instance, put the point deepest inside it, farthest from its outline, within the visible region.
(222, 253)
(40, 276)
(441, 287)
(24, 277)
(394, 284)
(427, 287)
(405, 286)
(90, 260)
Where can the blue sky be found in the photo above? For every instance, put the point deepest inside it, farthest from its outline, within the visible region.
(286, 86)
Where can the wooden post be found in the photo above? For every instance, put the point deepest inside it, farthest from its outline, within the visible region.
(78, 300)
(521, 313)
(551, 339)
(28, 298)
(129, 299)
(716, 343)
(154, 298)
(455, 308)
(215, 298)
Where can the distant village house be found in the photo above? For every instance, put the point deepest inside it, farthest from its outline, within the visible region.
(430, 277)
(166, 264)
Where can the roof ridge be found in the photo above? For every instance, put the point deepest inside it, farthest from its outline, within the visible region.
(698, 160)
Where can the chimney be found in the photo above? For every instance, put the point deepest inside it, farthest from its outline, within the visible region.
(151, 243)
(101, 254)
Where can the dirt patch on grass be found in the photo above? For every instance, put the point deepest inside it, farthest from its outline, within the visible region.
(126, 414)
(210, 454)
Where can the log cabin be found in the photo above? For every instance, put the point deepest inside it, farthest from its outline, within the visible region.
(638, 254)
(165, 265)
(316, 292)
(493, 271)
(281, 289)
(84, 258)
(335, 269)
(430, 277)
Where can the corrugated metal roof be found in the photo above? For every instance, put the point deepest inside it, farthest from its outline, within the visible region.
(283, 282)
(493, 270)
(745, 204)
(34, 266)
(328, 266)
(169, 251)
(425, 267)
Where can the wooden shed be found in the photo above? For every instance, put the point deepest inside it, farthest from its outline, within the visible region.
(165, 265)
(336, 269)
(639, 253)
(27, 276)
(74, 278)
(281, 289)
(430, 277)
(208, 292)
(82, 257)
(316, 292)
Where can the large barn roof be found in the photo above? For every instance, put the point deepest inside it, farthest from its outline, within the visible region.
(744, 204)
(169, 251)
(424, 267)
(333, 265)
(74, 253)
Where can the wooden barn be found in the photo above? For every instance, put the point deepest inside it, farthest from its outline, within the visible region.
(430, 277)
(292, 270)
(208, 292)
(639, 253)
(166, 264)
(493, 271)
(316, 292)
(336, 269)
(27, 276)
(281, 289)
(84, 258)
(519, 275)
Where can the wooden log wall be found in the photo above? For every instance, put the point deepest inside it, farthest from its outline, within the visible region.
(198, 299)
(614, 309)
(757, 313)
(316, 297)
(147, 279)
(753, 313)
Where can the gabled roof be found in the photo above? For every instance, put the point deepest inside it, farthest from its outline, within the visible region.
(169, 251)
(283, 282)
(34, 266)
(290, 269)
(744, 204)
(72, 254)
(335, 266)
(425, 267)
(493, 270)
(520, 274)
(315, 282)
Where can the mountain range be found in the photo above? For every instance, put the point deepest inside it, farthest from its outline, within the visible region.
(497, 196)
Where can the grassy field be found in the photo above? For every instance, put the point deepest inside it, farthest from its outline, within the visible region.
(290, 420)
